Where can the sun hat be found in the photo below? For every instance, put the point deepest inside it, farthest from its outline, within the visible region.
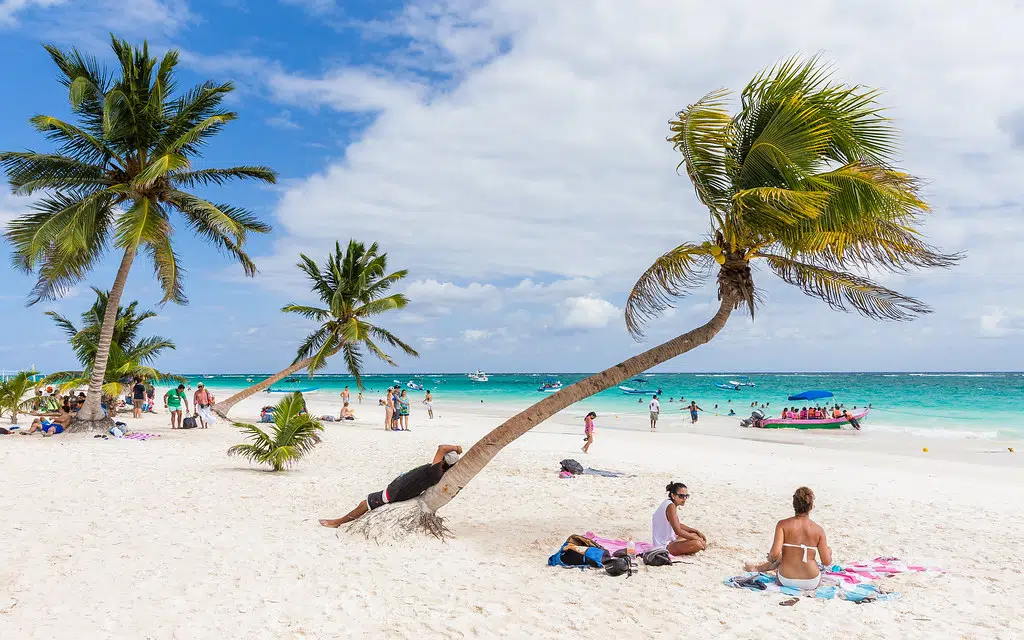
(451, 458)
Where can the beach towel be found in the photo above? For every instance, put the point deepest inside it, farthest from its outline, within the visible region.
(141, 436)
(589, 471)
(852, 582)
(614, 545)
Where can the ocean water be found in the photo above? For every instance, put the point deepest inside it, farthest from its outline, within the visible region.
(955, 405)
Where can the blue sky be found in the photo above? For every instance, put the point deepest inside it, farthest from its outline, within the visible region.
(511, 155)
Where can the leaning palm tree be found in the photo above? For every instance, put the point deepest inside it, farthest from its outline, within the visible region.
(129, 355)
(14, 393)
(353, 286)
(293, 434)
(800, 179)
(114, 179)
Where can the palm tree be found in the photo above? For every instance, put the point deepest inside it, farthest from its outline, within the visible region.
(353, 286)
(13, 390)
(294, 434)
(129, 356)
(114, 179)
(801, 179)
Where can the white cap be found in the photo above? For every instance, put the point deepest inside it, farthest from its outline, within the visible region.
(451, 458)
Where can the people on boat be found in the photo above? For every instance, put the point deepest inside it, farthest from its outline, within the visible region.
(803, 413)
(799, 545)
(407, 486)
(588, 431)
(668, 531)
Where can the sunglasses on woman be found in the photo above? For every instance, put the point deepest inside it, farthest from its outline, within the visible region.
(682, 496)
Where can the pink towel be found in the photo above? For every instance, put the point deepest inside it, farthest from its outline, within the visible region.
(141, 436)
(615, 545)
(858, 572)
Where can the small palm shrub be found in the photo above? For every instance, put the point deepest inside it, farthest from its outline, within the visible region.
(13, 392)
(292, 435)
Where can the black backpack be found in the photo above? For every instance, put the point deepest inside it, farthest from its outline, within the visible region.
(189, 423)
(571, 466)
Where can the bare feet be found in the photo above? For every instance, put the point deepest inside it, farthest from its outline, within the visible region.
(747, 566)
(333, 524)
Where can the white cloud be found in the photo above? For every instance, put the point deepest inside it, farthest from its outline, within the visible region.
(999, 322)
(349, 90)
(12, 206)
(9, 8)
(476, 335)
(282, 120)
(588, 312)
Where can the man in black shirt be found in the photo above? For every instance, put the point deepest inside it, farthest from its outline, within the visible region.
(407, 486)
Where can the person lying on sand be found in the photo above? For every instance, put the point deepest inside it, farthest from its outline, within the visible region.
(407, 486)
(797, 541)
(666, 529)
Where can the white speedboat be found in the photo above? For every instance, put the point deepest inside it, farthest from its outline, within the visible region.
(478, 376)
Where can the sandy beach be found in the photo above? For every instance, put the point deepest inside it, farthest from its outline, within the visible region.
(170, 538)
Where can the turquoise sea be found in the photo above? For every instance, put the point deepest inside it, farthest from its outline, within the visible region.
(956, 405)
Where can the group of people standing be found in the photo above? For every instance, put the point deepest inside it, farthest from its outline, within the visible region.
(396, 408)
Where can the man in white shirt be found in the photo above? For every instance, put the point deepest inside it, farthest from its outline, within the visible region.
(655, 410)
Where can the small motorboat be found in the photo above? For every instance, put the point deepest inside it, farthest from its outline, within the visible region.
(414, 386)
(478, 376)
(550, 386)
(853, 418)
(638, 390)
(741, 381)
(727, 387)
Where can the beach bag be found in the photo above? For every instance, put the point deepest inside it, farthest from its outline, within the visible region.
(116, 432)
(579, 551)
(617, 566)
(189, 423)
(571, 466)
(657, 558)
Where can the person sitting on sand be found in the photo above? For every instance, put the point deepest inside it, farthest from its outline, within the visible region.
(797, 541)
(346, 413)
(407, 486)
(666, 529)
(51, 423)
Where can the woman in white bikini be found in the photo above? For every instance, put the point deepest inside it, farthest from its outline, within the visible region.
(799, 545)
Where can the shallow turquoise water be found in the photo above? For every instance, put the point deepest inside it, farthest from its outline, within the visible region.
(978, 405)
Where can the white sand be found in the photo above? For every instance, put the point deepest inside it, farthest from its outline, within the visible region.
(170, 538)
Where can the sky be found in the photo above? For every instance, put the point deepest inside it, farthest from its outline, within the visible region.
(511, 155)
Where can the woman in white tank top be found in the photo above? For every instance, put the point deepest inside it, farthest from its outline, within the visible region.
(666, 529)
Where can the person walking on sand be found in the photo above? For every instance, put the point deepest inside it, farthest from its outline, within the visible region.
(360, 396)
(407, 486)
(202, 400)
(138, 397)
(588, 431)
(345, 396)
(655, 411)
(668, 531)
(693, 411)
(173, 400)
(403, 410)
(799, 545)
(428, 402)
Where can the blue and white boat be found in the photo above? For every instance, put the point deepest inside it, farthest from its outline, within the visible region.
(550, 386)
(639, 389)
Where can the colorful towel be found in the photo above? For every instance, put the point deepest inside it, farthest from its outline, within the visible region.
(141, 436)
(614, 545)
(605, 474)
(851, 582)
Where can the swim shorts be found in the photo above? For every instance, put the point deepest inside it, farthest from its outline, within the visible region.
(377, 499)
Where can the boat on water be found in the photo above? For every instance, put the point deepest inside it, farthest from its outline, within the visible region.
(759, 420)
(727, 386)
(414, 386)
(741, 381)
(639, 389)
(478, 376)
(292, 390)
(550, 386)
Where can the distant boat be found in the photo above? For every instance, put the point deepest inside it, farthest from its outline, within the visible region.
(478, 376)
(638, 390)
(731, 386)
(742, 381)
(811, 423)
(550, 386)
(299, 390)
(414, 386)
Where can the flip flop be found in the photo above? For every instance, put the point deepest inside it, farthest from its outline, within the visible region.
(789, 603)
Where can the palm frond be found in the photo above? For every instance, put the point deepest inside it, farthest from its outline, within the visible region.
(293, 435)
(218, 177)
(701, 133)
(839, 289)
(672, 276)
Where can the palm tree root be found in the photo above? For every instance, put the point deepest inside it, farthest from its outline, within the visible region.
(397, 521)
(81, 425)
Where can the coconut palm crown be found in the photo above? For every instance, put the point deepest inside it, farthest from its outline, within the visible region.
(117, 175)
(353, 286)
(802, 179)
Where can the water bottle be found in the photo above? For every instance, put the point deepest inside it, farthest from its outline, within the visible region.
(630, 547)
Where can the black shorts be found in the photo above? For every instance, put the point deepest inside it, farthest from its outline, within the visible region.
(377, 499)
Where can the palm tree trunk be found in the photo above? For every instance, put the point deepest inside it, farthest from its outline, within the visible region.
(223, 407)
(90, 417)
(401, 518)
